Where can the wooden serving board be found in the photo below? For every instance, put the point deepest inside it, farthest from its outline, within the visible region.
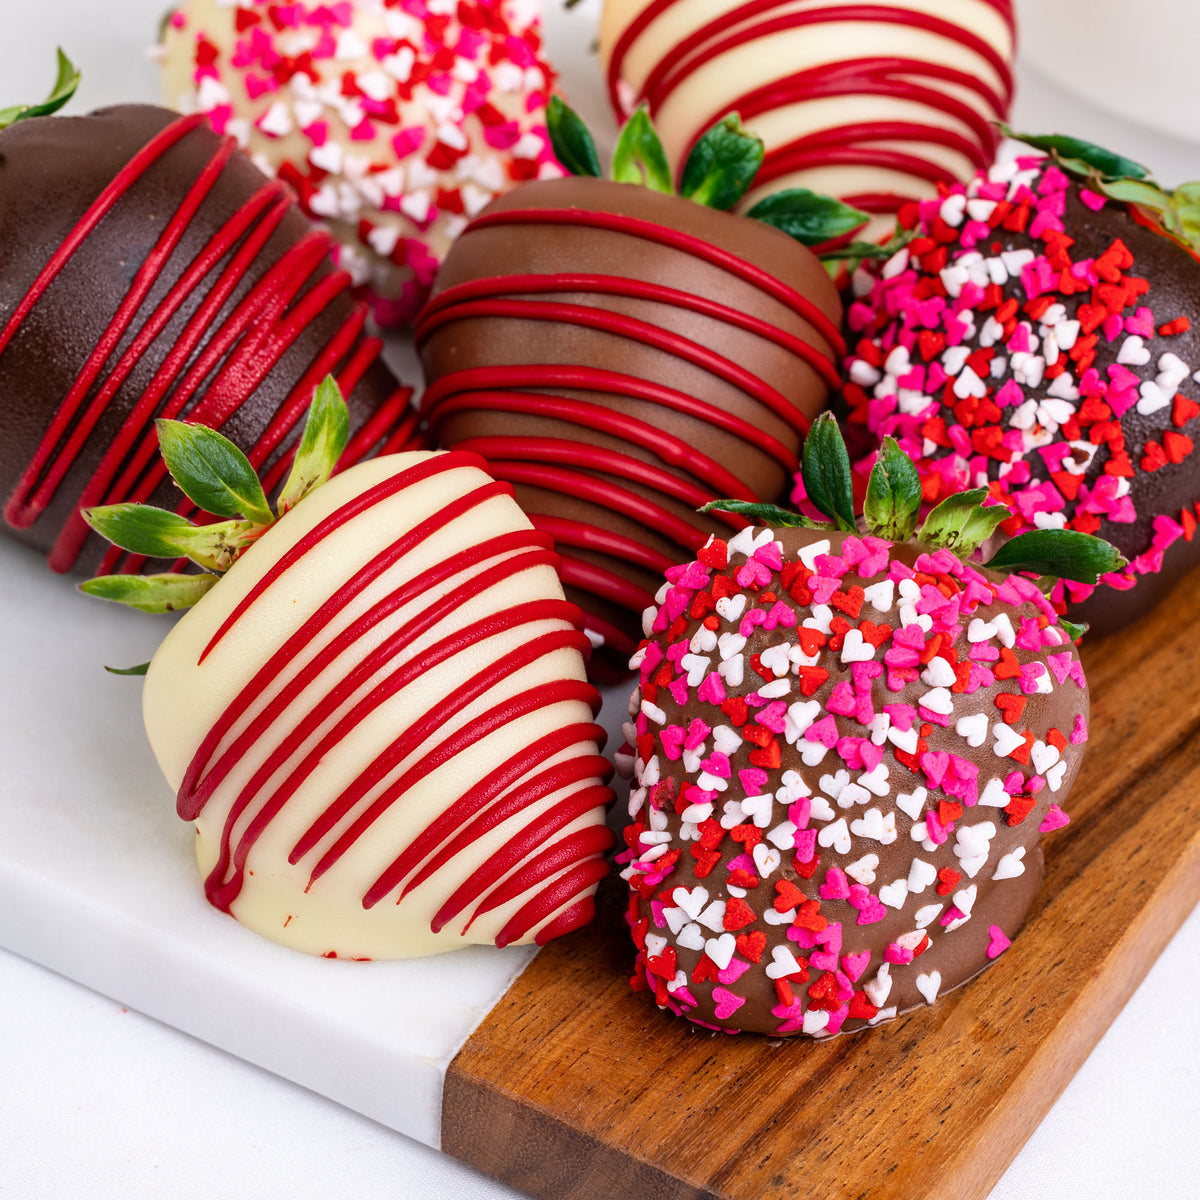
(576, 1088)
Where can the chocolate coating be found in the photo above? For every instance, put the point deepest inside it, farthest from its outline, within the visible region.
(52, 170)
(1161, 484)
(732, 786)
(608, 342)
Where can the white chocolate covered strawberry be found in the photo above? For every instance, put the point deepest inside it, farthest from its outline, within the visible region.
(378, 718)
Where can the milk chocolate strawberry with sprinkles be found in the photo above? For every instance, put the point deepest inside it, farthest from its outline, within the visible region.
(846, 749)
(1038, 337)
(150, 269)
(624, 353)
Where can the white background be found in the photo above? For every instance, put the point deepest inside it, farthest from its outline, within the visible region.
(99, 1102)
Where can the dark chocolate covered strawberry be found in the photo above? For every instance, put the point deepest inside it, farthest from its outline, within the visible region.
(624, 353)
(1039, 337)
(151, 270)
(847, 746)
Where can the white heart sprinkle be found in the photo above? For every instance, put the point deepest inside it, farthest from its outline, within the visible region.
(920, 875)
(1152, 398)
(721, 949)
(1133, 352)
(895, 893)
(994, 795)
(832, 785)
(973, 728)
(811, 753)
(853, 794)
(655, 944)
(775, 658)
(1011, 866)
(691, 937)
(821, 809)
(863, 871)
(875, 780)
(675, 918)
(938, 700)
(904, 739)
(912, 804)
(927, 914)
(783, 835)
(725, 739)
(836, 835)
(939, 673)
(815, 1020)
(964, 900)
(808, 554)
(784, 963)
(1044, 756)
(799, 717)
(691, 901)
(759, 808)
(855, 648)
(731, 607)
(880, 596)
(704, 641)
(869, 825)
(1007, 739)
(766, 859)
(713, 917)
(880, 987)
(774, 918)
(822, 616)
(928, 985)
(980, 631)
(1054, 776)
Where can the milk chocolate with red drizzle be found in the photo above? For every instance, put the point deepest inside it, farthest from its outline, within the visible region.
(623, 354)
(150, 269)
(376, 712)
(876, 103)
(846, 747)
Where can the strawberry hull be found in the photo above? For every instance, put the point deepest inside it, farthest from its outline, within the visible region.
(623, 357)
(842, 782)
(152, 270)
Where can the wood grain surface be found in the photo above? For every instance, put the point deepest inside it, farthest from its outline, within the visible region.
(576, 1088)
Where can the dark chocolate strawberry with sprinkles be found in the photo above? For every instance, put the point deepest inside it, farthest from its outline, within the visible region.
(846, 747)
(1037, 338)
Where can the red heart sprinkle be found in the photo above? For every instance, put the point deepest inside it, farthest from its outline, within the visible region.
(738, 914)
(751, 945)
(1011, 706)
(850, 602)
(948, 880)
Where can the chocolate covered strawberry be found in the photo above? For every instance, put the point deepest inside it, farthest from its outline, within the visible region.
(846, 748)
(623, 353)
(1038, 337)
(375, 710)
(151, 270)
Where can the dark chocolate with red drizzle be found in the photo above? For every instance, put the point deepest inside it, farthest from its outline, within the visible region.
(893, 145)
(299, 725)
(152, 270)
(623, 357)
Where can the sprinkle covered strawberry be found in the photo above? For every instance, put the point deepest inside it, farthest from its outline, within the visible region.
(1037, 337)
(846, 749)
(375, 710)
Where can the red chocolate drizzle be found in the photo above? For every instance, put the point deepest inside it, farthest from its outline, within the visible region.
(558, 465)
(236, 356)
(853, 144)
(568, 867)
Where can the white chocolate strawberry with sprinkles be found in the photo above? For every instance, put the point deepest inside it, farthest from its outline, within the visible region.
(396, 121)
(846, 750)
(1038, 337)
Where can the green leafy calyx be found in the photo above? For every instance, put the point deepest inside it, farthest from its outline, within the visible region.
(64, 88)
(218, 478)
(720, 169)
(961, 523)
(1176, 213)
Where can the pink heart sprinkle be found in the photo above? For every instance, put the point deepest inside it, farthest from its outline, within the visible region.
(1055, 819)
(855, 964)
(672, 741)
(822, 960)
(997, 943)
(727, 1002)
(835, 886)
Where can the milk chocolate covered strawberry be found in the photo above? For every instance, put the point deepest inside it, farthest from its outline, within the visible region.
(1038, 337)
(151, 270)
(848, 746)
(376, 712)
(623, 353)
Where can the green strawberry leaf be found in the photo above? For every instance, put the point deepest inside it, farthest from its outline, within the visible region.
(140, 669)
(64, 88)
(825, 467)
(639, 156)
(1064, 553)
(808, 216)
(1135, 191)
(326, 431)
(722, 164)
(960, 523)
(573, 145)
(765, 514)
(862, 250)
(150, 593)
(156, 533)
(1074, 631)
(1080, 157)
(893, 501)
(212, 472)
